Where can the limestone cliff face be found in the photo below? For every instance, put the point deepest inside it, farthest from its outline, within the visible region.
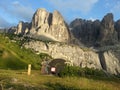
(40, 21)
(59, 27)
(112, 63)
(49, 25)
(76, 56)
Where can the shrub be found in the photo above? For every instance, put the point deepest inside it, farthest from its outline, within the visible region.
(93, 72)
(45, 56)
(69, 71)
(77, 71)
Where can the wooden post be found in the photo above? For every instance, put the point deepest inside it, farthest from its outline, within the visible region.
(29, 69)
(1, 87)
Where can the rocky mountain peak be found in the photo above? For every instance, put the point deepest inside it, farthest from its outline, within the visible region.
(108, 16)
(57, 18)
(108, 34)
(108, 22)
(49, 26)
(98, 33)
(45, 26)
(23, 27)
(40, 17)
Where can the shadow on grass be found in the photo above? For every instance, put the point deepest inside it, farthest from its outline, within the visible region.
(104, 78)
(58, 86)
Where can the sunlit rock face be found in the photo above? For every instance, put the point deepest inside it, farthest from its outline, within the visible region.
(44, 26)
(77, 56)
(49, 26)
(23, 28)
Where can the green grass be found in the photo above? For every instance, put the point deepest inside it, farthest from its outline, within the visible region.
(13, 56)
(19, 80)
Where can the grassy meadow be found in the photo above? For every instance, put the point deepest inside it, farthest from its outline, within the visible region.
(19, 80)
(14, 56)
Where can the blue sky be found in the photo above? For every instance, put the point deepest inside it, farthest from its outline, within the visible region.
(13, 11)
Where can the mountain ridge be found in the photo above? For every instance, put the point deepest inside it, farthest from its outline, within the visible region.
(50, 34)
(96, 33)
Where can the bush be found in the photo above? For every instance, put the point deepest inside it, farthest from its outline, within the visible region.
(69, 71)
(45, 56)
(93, 72)
(77, 71)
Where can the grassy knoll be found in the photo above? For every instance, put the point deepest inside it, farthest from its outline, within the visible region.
(18, 80)
(13, 56)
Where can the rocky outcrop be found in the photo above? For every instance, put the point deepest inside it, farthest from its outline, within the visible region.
(112, 63)
(78, 56)
(12, 30)
(117, 27)
(72, 54)
(21, 29)
(49, 26)
(107, 31)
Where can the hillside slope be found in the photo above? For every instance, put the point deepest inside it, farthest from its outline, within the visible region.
(12, 56)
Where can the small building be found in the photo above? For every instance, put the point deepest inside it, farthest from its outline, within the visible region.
(53, 67)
